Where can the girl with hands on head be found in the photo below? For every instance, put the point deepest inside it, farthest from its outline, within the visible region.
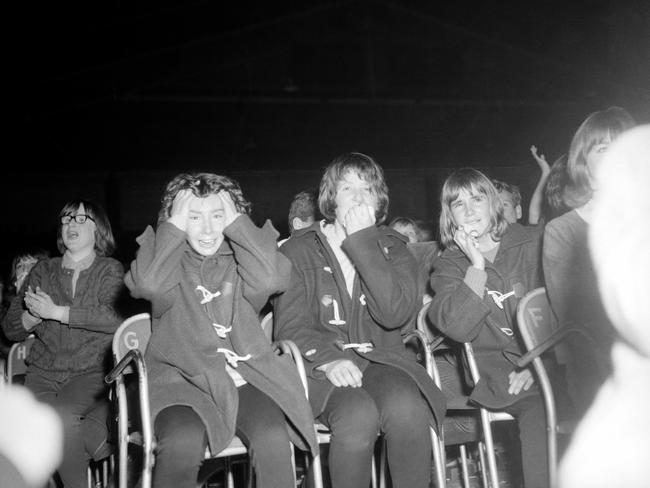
(69, 303)
(208, 271)
(487, 266)
(352, 291)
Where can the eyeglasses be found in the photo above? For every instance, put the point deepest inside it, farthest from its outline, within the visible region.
(79, 219)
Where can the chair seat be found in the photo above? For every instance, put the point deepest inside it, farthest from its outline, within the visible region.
(235, 447)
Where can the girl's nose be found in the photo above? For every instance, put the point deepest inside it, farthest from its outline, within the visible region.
(207, 226)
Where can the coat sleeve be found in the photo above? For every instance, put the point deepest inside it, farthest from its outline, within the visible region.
(388, 272)
(263, 269)
(455, 309)
(102, 316)
(294, 318)
(154, 273)
(557, 265)
(12, 322)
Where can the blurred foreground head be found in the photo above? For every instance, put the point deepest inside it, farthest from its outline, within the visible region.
(619, 236)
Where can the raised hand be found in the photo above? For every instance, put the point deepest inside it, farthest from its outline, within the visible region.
(230, 212)
(359, 217)
(541, 160)
(468, 243)
(181, 209)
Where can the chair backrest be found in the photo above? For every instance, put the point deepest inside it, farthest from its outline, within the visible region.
(16, 358)
(535, 318)
(133, 333)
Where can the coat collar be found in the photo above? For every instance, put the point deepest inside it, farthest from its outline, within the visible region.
(515, 236)
(315, 229)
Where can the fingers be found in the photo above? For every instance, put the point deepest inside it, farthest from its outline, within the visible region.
(359, 217)
(345, 373)
(180, 210)
(520, 380)
(229, 208)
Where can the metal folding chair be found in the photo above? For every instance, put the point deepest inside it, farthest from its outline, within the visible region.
(323, 434)
(129, 342)
(486, 443)
(16, 358)
(540, 332)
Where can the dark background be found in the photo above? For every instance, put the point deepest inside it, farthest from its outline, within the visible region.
(109, 100)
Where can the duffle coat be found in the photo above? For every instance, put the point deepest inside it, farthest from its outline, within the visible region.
(459, 313)
(205, 306)
(320, 316)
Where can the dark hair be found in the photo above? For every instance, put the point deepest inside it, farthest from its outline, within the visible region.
(367, 169)
(406, 222)
(302, 206)
(402, 221)
(471, 180)
(202, 185)
(104, 239)
(554, 200)
(604, 125)
(512, 189)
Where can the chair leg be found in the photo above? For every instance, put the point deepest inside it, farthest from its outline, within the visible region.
(317, 472)
(493, 475)
(483, 461)
(230, 480)
(463, 465)
(439, 456)
(373, 472)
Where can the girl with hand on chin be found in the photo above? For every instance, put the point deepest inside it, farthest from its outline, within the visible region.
(68, 302)
(487, 266)
(352, 291)
(208, 271)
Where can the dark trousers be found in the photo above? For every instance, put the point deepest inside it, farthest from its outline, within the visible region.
(261, 425)
(528, 412)
(77, 401)
(388, 402)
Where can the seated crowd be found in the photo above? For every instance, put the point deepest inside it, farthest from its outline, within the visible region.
(345, 287)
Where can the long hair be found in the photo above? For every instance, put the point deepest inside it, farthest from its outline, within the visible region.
(201, 185)
(472, 181)
(602, 126)
(104, 239)
(367, 169)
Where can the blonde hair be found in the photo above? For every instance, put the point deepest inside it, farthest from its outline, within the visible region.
(472, 181)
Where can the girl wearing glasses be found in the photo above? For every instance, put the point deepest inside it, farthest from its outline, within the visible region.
(68, 303)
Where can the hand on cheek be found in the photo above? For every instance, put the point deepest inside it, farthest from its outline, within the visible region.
(467, 243)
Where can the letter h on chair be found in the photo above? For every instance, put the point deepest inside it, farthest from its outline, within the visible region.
(16, 367)
(16, 358)
(129, 342)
